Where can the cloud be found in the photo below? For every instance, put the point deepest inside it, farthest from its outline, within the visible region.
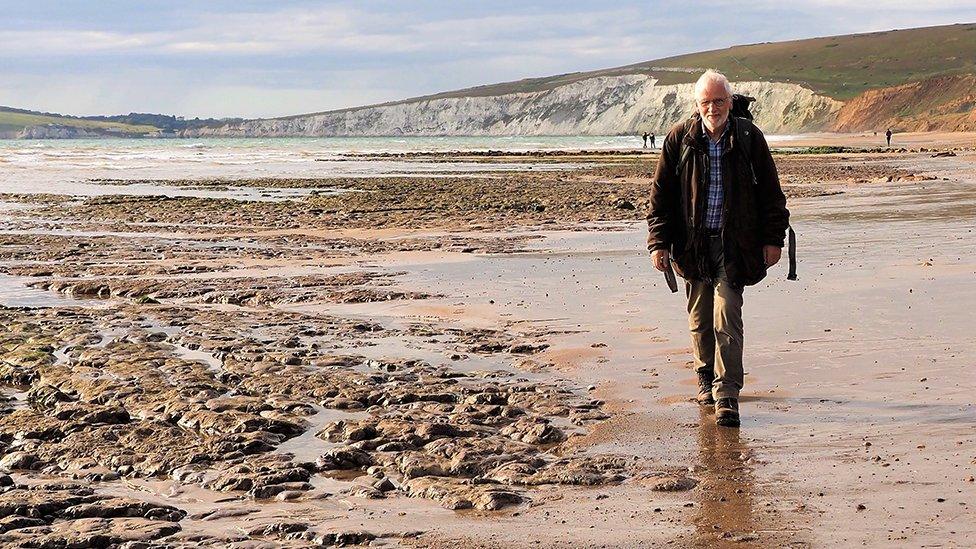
(253, 58)
(17, 43)
(294, 31)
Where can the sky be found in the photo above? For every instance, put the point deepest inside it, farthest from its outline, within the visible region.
(248, 58)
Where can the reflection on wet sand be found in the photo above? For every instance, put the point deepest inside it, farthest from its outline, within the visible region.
(727, 493)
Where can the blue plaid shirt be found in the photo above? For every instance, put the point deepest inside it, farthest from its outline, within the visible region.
(716, 196)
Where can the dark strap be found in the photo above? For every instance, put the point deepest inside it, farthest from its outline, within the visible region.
(669, 276)
(685, 149)
(792, 252)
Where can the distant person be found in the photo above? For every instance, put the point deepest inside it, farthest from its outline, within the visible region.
(645, 140)
(888, 136)
(718, 213)
(652, 142)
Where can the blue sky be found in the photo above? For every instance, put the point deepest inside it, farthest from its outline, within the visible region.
(262, 58)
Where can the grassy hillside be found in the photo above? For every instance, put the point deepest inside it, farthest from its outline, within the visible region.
(841, 67)
(16, 119)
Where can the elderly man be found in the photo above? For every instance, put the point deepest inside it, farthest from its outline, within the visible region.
(719, 216)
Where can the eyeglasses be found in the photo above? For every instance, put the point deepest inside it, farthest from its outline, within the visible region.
(717, 102)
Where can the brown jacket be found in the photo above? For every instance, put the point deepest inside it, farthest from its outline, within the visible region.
(754, 204)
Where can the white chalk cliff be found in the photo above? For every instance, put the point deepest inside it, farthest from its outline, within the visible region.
(605, 105)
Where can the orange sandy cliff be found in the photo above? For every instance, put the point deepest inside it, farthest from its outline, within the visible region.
(943, 103)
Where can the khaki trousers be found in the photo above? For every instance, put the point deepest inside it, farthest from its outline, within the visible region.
(715, 321)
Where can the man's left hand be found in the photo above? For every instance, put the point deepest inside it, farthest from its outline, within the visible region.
(771, 254)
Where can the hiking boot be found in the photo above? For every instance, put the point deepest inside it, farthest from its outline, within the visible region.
(727, 412)
(705, 388)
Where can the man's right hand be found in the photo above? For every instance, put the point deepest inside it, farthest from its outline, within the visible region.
(660, 259)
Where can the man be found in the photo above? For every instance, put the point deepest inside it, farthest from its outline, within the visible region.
(653, 146)
(645, 140)
(888, 136)
(719, 215)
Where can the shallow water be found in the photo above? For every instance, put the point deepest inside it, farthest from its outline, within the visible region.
(307, 447)
(15, 292)
(67, 167)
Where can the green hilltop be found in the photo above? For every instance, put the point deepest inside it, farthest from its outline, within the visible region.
(14, 120)
(841, 67)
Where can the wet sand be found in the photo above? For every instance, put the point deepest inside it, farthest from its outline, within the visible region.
(928, 140)
(440, 369)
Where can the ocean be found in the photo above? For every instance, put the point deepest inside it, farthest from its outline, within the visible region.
(68, 166)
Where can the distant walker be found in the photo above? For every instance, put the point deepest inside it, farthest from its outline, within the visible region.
(888, 136)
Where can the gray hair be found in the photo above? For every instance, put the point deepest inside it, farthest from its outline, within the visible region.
(712, 76)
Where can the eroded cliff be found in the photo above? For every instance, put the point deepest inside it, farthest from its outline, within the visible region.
(944, 103)
(595, 106)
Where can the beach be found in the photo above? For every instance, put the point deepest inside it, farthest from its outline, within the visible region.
(465, 344)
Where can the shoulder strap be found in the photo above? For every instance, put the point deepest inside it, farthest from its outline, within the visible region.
(685, 149)
(743, 138)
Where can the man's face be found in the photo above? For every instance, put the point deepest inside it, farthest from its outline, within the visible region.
(714, 104)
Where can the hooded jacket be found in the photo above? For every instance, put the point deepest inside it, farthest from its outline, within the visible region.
(754, 206)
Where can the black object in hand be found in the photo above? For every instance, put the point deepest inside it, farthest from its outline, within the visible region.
(669, 277)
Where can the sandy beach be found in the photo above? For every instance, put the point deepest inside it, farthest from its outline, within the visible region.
(473, 350)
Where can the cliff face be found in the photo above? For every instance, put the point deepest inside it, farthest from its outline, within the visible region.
(628, 104)
(944, 103)
(55, 131)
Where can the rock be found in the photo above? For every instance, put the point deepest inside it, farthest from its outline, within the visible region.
(578, 471)
(19, 460)
(90, 532)
(384, 485)
(487, 398)
(395, 446)
(343, 539)
(44, 398)
(347, 431)
(527, 348)
(259, 471)
(289, 495)
(344, 457)
(278, 529)
(365, 432)
(91, 414)
(534, 431)
(269, 491)
(454, 494)
(432, 431)
(366, 492)
(417, 464)
(122, 507)
(16, 522)
(672, 484)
